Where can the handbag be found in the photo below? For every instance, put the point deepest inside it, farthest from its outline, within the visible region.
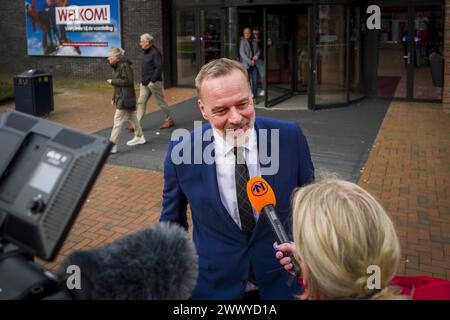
(129, 103)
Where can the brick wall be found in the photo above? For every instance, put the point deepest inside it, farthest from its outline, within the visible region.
(446, 91)
(138, 17)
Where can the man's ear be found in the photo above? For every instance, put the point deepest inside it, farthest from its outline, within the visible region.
(201, 106)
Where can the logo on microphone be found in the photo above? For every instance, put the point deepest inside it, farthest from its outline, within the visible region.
(259, 188)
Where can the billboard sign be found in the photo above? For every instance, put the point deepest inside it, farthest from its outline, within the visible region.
(83, 28)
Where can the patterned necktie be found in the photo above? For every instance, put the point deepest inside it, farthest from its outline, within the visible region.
(245, 208)
(241, 178)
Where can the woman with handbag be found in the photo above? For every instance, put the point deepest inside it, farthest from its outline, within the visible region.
(124, 98)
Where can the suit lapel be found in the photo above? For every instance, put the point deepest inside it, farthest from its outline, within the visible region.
(259, 127)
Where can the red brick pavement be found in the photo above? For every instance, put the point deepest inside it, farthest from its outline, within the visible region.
(409, 172)
(122, 201)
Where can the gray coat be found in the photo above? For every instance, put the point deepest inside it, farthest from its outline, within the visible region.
(245, 52)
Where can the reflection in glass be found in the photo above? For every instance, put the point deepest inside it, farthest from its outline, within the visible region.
(279, 48)
(302, 52)
(210, 22)
(231, 36)
(355, 76)
(330, 55)
(428, 26)
(186, 56)
(393, 52)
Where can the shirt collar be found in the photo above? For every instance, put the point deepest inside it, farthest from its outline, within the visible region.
(222, 147)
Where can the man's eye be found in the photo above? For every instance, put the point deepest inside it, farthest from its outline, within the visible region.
(219, 111)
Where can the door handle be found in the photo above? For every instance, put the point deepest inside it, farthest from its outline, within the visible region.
(408, 57)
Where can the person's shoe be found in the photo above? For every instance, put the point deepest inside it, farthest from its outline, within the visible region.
(261, 93)
(136, 140)
(114, 149)
(167, 124)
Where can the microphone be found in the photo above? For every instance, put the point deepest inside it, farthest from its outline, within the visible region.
(262, 198)
(157, 263)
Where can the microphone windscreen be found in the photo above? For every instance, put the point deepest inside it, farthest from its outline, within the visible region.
(157, 263)
(260, 193)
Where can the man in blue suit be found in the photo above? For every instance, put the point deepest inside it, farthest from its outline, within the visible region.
(234, 244)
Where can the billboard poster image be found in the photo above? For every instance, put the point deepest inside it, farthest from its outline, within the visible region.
(85, 28)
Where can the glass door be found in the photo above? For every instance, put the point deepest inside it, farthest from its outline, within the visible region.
(428, 58)
(278, 58)
(186, 46)
(394, 55)
(330, 55)
(211, 35)
(410, 52)
(198, 41)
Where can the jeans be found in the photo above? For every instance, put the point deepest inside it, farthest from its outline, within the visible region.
(260, 69)
(252, 73)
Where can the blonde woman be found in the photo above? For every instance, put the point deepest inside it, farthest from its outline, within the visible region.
(346, 245)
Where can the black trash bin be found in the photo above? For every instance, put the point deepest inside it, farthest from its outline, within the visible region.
(437, 69)
(33, 92)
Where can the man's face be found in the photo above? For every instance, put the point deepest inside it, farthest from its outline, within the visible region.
(144, 43)
(256, 34)
(226, 102)
(247, 33)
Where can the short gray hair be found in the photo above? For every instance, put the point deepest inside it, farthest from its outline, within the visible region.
(148, 37)
(218, 68)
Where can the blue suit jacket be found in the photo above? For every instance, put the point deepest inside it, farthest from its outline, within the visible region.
(224, 252)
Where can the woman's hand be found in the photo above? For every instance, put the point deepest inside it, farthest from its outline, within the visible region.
(109, 81)
(282, 251)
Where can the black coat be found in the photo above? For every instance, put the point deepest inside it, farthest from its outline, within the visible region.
(152, 66)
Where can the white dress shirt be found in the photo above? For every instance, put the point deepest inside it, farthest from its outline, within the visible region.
(225, 162)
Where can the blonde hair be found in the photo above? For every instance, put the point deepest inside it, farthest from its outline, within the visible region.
(218, 68)
(339, 231)
(116, 52)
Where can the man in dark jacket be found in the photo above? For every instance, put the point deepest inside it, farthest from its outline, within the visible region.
(124, 98)
(151, 82)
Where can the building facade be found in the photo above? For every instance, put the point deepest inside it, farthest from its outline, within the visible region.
(316, 53)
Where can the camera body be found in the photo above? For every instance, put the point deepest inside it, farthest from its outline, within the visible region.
(46, 173)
